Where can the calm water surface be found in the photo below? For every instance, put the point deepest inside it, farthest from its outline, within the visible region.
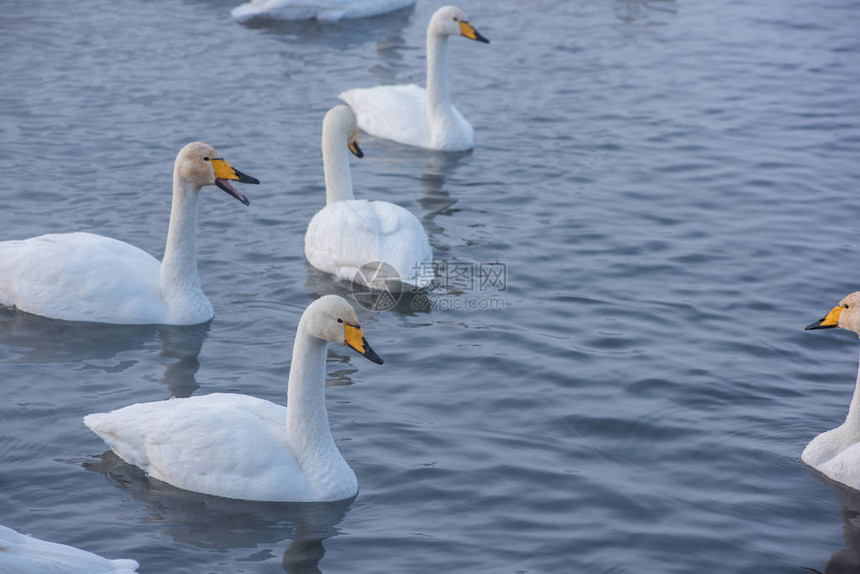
(671, 185)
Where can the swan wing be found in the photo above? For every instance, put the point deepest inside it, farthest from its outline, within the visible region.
(346, 235)
(81, 277)
(20, 554)
(223, 444)
(397, 113)
(843, 466)
(403, 243)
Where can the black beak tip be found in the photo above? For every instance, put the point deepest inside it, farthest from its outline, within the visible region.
(481, 38)
(817, 325)
(245, 178)
(356, 151)
(371, 354)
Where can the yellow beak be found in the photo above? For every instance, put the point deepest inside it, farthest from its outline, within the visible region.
(224, 173)
(353, 146)
(354, 338)
(829, 321)
(467, 30)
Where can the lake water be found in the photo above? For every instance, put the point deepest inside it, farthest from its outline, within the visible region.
(670, 187)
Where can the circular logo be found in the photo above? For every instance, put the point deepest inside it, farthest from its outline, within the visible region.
(376, 286)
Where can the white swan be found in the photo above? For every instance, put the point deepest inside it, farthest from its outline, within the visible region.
(412, 115)
(836, 453)
(88, 277)
(349, 235)
(237, 446)
(326, 10)
(21, 554)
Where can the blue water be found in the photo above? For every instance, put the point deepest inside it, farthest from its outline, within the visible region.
(671, 186)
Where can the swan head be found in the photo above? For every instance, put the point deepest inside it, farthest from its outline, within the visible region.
(451, 21)
(199, 164)
(339, 125)
(846, 315)
(331, 318)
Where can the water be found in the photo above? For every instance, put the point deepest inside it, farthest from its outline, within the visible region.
(672, 187)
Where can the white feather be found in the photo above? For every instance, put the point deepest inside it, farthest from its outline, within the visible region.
(88, 277)
(20, 554)
(241, 447)
(413, 115)
(326, 10)
(349, 234)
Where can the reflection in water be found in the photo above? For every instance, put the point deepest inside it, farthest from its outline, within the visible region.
(644, 12)
(367, 302)
(318, 523)
(182, 344)
(213, 522)
(35, 339)
(38, 340)
(434, 199)
(847, 560)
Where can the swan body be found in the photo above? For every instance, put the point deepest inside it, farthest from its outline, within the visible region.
(89, 277)
(349, 234)
(413, 115)
(241, 447)
(20, 554)
(836, 453)
(325, 10)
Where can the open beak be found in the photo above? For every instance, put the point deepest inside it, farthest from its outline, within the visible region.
(828, 322)
(224, 173)
(353, 146)
(467, 30)
(355, 339)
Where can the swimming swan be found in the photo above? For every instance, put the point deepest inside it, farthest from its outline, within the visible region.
(237, 446)
(836, 453)
(20, 554)
(412, 115)
(88, 277)
(350, 235)
(326, 10)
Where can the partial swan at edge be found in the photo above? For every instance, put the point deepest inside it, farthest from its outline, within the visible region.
(836, 453)
(21, 554)
(88, 277)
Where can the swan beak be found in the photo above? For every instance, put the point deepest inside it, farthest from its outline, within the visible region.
(355, 338)
(828, 322)
(353, 146)
(467, 30)
(224, 172)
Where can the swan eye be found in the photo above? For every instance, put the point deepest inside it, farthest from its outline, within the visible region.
(339, 320)
(206, 158)
(846, 305)
(456, 19)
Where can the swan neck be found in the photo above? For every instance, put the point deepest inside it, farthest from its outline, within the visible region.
(338, 179)
(179, 277)
(852, 421)
(438, 101)
(307, 419)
